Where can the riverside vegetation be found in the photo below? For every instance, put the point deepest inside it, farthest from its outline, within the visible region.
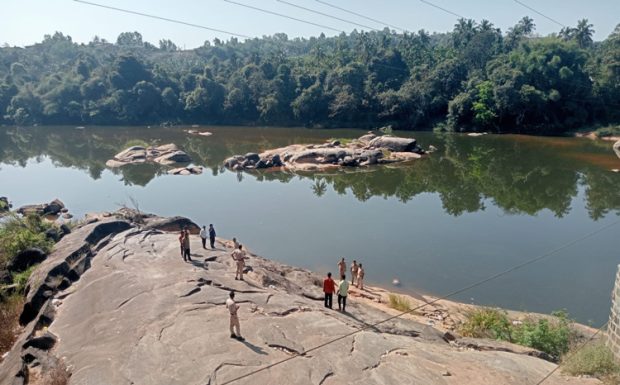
(474, 78)
(16, 235)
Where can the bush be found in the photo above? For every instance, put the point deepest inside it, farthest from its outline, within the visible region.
(399, 302)
(21, 279)
(487, 323)
(552, 337)
(18, 234)
(9, 319)
(594, 359)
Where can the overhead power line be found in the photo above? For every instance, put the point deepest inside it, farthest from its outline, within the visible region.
(443, 9)
(541, 14)
(455, 292)
(360, 15)
(326, 15)
(161, 18)
(282, 15)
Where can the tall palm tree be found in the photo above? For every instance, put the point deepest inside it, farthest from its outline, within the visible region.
(583, 33)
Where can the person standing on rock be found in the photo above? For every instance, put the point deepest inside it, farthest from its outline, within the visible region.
(186, 247)
(203, 236)
(360, 278)
(232, 307)
(354, 269)
(239, 258)
(342, 267)
(343, 292)
(329, 287)
(181, 243)
(212, 236)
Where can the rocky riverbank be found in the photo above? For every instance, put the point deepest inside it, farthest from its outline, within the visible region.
(116, 304)
(366, 150)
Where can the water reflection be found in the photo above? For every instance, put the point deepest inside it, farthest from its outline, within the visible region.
(520, 175)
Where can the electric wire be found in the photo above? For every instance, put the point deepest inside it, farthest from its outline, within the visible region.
(451, 294)
(360, 15)
(541, 14)
(326, 15)
(583, 345)
(443, 9)
(161, 18)
(282, 15)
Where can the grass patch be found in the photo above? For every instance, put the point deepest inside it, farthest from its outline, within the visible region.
(10, 310)
(552, 336)
(487, 323)
(399, 302)
(21, 279)
(18, 234)
(594, 359)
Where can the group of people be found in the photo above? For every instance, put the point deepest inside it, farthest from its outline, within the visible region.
(342, 289)
(239, 257)
(185, 245)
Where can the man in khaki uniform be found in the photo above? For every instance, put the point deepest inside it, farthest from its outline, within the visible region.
(232, 307)
(239, 257)
(342, 267)
(354, 268)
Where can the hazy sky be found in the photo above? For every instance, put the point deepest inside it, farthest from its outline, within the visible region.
(24, 22)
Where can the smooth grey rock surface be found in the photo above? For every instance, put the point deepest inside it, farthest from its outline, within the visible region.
(138, 314)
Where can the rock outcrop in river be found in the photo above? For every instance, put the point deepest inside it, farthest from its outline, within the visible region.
(167, 154)
(366, 150)
(117, 304)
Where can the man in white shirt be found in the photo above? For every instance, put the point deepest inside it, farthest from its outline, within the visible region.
(343, 292)
(232, 307)
(203, 236)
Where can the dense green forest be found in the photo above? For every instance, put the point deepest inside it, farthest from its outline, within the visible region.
(475, 78)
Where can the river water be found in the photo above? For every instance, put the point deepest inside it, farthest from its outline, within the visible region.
(477, 206)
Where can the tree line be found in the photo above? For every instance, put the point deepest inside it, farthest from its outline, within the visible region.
(474, 78)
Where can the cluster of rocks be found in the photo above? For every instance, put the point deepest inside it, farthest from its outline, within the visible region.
(194, 170)
(167, 154)
(366, 150)
(52, 209)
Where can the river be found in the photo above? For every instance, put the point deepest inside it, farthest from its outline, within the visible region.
(476, 206)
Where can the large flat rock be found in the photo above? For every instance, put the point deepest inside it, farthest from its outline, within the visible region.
(140, 315)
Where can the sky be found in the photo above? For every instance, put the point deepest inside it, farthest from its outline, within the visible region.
(25, 22)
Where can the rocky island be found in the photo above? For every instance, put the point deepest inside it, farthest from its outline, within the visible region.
(366, 150)
(166, 154)
(115, 304)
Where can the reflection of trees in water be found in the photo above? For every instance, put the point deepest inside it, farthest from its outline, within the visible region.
(519, 179)
(515, 174)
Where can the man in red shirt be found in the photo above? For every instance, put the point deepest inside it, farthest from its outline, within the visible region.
(329, 287)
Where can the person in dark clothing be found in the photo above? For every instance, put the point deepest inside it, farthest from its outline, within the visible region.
(329, 287)
(212, 236)
(186, 250)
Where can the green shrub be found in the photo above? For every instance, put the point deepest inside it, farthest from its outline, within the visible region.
(487, 323)
(594, 359)
(399, 302)
(18, 234)
(552, 337)
(21, 279)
